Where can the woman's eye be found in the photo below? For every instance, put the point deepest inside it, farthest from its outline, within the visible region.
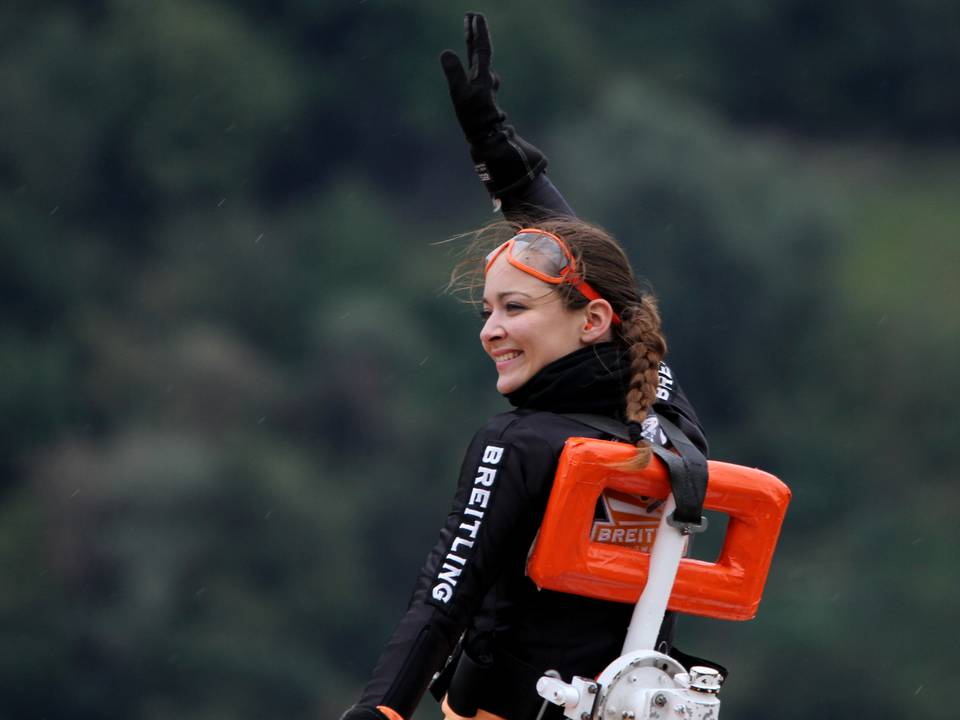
(510, 307)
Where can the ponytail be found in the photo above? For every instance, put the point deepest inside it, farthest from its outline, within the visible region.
(646, 346)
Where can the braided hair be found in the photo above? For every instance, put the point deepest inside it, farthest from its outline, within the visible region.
(646, 346)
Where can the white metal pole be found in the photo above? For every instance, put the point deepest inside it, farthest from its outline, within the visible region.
(665, 556)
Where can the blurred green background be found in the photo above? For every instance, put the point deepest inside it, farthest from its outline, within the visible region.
(233, 398)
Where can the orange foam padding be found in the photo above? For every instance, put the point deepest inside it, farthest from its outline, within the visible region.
(565, 559)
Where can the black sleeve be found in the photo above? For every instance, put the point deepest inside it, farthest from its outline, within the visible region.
(490, 507)
(535, 200)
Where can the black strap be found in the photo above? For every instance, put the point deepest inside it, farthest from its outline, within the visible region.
(688, 470)
(605, 424)
(690, 491)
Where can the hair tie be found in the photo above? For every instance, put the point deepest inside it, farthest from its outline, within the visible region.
(636, 432)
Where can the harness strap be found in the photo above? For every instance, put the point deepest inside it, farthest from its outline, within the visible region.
(688, 470)
(605, 424)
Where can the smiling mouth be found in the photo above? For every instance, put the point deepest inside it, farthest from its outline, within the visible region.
(506, 357)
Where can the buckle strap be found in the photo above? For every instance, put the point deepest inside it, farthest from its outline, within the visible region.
(689, 485)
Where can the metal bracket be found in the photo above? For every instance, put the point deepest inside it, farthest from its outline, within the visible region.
(577, 698)
(688, 528)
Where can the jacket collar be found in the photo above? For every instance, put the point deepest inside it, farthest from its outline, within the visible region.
(593, 379)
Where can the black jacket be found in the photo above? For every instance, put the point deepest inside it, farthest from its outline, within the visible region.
(473, 581)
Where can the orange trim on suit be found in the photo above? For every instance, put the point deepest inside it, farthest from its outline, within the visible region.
(390, 712)
(449, 714)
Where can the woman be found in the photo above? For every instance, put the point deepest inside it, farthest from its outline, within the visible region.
(569, 332)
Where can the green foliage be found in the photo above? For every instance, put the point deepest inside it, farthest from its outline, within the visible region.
(844, 69)
(234, 397)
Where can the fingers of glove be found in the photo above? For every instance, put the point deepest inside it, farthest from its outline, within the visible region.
(481, 45)
(453, 69)
(468, 34)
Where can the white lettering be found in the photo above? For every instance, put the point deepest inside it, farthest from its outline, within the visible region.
(665, 384)
(442, 592)
(492, 454)
(447, 576)
(485, 476)
(449, 573)
(458, 541)
(479, 496)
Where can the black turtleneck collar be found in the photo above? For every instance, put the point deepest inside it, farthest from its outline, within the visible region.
(593, 379)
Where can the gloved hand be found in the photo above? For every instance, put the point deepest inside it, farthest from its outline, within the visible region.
(502, 159)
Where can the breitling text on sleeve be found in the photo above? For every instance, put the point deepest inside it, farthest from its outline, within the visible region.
(465, 538)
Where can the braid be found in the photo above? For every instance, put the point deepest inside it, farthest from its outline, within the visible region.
(646, 346)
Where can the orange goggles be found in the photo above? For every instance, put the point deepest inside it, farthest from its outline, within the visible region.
(546, 257)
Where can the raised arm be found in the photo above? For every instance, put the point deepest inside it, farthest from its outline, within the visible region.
(510, 167)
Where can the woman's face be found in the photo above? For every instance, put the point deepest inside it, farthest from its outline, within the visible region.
(526, 325)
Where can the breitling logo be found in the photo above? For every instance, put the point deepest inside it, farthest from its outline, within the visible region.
(627, 520)
(456, 558)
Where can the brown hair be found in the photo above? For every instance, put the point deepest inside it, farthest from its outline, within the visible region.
(602, 263)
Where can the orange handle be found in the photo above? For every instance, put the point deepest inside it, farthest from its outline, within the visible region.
(565, 559)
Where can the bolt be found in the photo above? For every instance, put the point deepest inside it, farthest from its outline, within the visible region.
(584, 716)
(592, 689)
(659, 700)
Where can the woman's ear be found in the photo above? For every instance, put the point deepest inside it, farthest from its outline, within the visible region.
(597, 318)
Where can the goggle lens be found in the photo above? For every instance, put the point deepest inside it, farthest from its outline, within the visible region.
(545, 257)
(541, 253)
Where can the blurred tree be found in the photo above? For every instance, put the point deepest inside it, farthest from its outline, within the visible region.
(233, 403)
(846, 69)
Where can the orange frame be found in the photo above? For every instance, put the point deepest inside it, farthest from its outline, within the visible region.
(565, 559)
(568, 274)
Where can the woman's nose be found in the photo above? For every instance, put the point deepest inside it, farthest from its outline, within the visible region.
(491, 330)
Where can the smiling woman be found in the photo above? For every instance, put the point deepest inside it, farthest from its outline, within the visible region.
(556, 288)
(527, 323)
(570, 333)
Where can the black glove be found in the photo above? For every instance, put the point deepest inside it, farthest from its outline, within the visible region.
(503, 160)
